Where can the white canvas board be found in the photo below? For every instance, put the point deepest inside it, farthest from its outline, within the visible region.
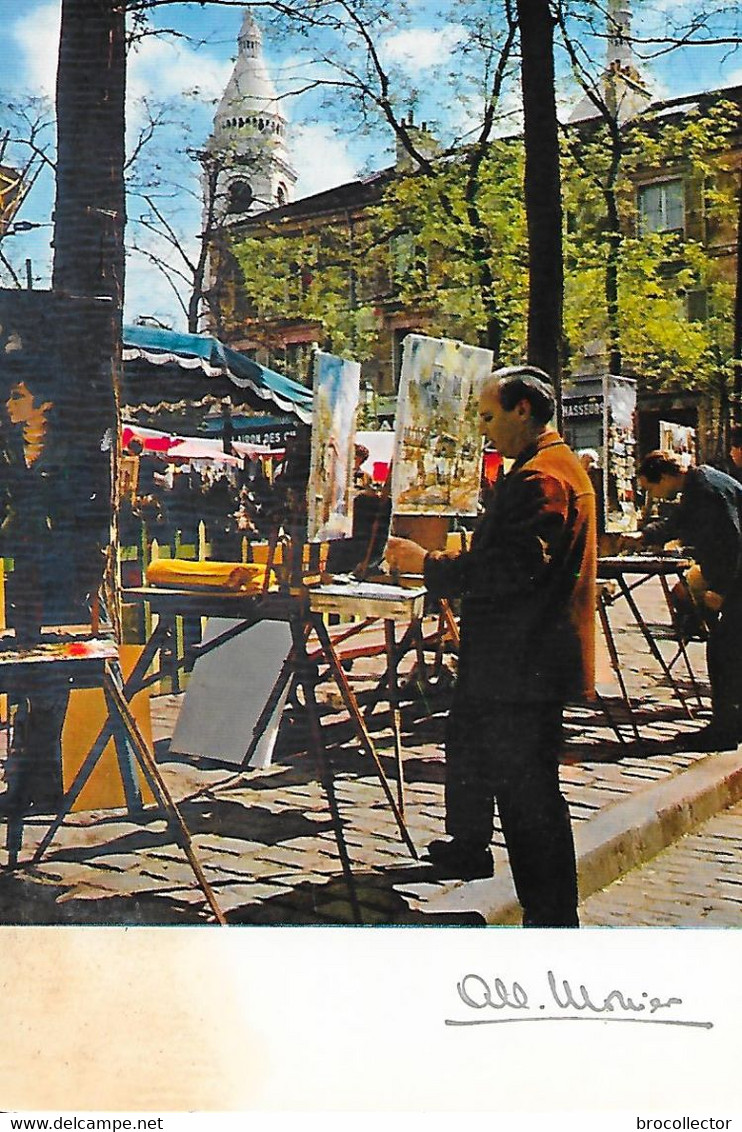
(228, 690)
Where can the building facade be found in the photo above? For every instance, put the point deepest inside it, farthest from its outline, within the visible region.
(355, 269)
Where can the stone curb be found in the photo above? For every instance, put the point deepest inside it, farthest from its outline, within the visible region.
(617, 839)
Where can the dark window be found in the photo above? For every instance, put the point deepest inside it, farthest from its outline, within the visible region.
(697, 304)
(240, 196)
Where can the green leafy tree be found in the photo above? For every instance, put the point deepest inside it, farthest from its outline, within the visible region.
(414, 248)
(668, 296)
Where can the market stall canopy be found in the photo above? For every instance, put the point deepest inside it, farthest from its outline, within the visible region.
(189, 448)
(217, 361)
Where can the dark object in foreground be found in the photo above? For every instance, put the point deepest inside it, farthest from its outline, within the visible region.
(453, 860)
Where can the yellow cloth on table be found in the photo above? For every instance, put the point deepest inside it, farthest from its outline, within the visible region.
(246, 577)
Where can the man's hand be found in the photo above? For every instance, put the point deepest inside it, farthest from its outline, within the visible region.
(698, 587)
(404, 555)
(713, 601)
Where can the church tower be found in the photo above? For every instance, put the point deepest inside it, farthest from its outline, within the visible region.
(621, 87)
(249, 137)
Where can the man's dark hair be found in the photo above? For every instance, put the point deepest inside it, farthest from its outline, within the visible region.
(526, 383)
(659, 463)
(735, 437)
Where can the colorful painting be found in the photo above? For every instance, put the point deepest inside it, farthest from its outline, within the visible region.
(680, 440)
(330, 488)
(438, 451)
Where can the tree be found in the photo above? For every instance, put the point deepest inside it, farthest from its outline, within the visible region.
(89, 218)
(403, 251)
(26, 143)
(351, 64)
(542, 186)
(667, 313)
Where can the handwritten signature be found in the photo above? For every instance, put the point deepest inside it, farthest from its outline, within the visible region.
(511, 1003)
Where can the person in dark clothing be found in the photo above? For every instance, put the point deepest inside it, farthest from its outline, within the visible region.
(527, 586)
(219, 507)
(38, 532)
(708, 518)
(734, 466)
(182, 507)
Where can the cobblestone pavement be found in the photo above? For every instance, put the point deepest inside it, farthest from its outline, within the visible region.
(695, 883)
(280, 846)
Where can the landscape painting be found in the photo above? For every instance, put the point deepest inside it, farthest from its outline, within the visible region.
(329, 494)
(438, 452)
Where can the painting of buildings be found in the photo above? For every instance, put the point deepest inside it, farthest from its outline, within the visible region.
(329, 493)
(438, 452)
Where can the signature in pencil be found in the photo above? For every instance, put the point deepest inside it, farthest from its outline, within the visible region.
(496, 1000)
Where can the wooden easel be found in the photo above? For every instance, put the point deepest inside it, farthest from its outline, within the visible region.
(94, 663)
(293, 608)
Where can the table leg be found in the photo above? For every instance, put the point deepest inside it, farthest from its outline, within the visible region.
(135, 681)
(351, 704)
(284, 677)
(391, 654)
(626, 591)
(398, 652)
(450, 622)
(119, 706)
(616, 666)
(305, 676)
(681, 643)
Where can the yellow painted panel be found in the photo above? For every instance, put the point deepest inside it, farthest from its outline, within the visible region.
(86, 715)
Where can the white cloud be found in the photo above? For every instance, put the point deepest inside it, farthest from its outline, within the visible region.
(36, 35)
(321, 158)
(166, 68)
(416, 49)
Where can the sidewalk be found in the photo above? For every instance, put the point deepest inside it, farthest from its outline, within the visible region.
(696, 882)
(268, 845)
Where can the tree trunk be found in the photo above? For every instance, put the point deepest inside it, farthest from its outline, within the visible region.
(89, 212)
(481, 252)
(542, 188)
(89, 220)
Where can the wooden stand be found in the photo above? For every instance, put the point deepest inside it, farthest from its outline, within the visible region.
(642, 568)
(93, 663)
(392, 604)
(303, 611)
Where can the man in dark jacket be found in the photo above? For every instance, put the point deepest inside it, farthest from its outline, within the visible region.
(527, 646)
(734, 466)
(708, 518)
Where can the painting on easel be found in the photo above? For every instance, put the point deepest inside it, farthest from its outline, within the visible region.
(330, 489)
(437, 451)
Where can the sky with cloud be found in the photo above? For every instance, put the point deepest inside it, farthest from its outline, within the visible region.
(327, 147)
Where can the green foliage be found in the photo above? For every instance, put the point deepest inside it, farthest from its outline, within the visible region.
(656, 271)
(418, 247)
(451, 245)
(452, 218)
(316, 276)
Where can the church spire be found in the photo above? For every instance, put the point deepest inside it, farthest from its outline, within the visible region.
(619, 35)
(250, 132)
(250, 39)
(621, 86)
